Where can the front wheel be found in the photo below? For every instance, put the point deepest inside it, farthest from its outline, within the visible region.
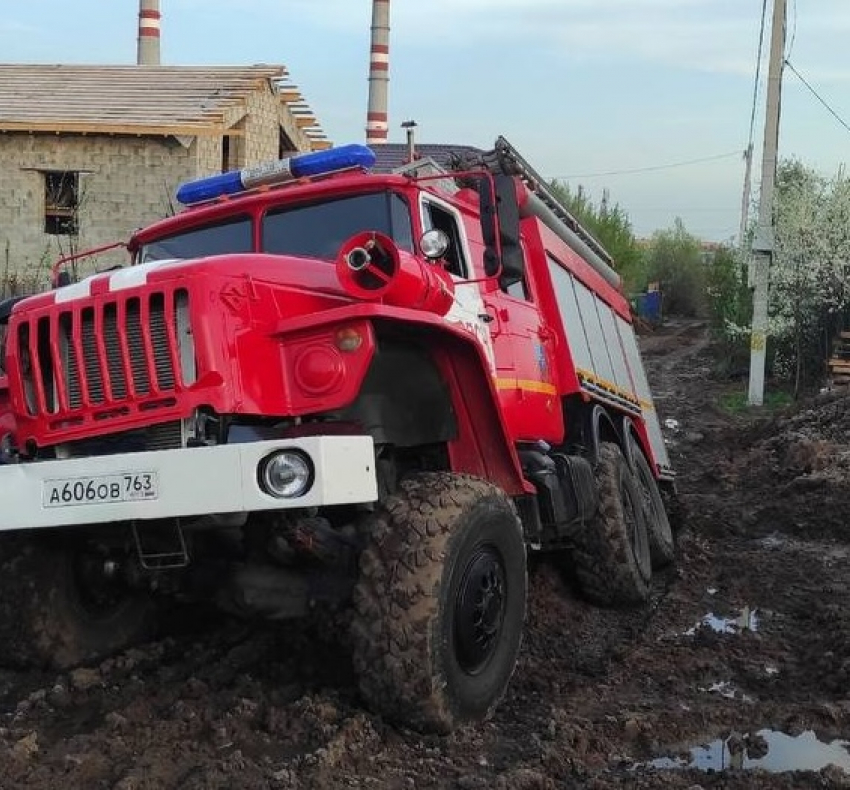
(62, 603)
(440, 604)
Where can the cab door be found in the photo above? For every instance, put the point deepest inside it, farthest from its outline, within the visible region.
(524, 348)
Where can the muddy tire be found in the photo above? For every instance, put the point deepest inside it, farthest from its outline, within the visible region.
(54, 614)
(612, 558)
(662, 547)
(440, 604)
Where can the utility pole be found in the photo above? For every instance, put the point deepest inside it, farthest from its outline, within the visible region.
(763, 244)
(745, 200)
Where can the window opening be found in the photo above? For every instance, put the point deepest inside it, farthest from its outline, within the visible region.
(61, 202)
(438, 218)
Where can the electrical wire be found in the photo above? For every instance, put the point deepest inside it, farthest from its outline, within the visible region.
(757, 79)
(793, 30)
(820, 98)
(652, 168)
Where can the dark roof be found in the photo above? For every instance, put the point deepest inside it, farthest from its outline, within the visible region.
(390, 156)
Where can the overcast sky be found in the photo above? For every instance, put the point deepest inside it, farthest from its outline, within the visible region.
(580, 87)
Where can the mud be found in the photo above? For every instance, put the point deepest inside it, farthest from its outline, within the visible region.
(656, 698)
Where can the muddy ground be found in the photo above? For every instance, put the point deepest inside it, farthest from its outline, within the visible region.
(736, 676)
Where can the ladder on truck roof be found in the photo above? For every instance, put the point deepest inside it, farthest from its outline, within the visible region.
(510, 162)
(504, 159)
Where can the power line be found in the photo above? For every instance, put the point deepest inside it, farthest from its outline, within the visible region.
(818, 96)
(794, 30)
(653, 167)
(758, 71)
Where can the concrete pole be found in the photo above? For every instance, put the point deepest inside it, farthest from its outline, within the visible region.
(147, 53)
(379, 74)
(763, 243)
(745, 199)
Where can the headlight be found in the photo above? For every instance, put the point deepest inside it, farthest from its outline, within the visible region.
(286, 474)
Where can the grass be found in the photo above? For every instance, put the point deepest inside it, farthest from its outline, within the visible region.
(737, 401)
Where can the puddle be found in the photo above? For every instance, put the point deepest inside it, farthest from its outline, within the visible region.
(747, 620)
(768, 750)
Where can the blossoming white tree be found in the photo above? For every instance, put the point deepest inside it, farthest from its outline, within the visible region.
(809, 296)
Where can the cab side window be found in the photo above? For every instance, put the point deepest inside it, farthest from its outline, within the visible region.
(519, 290)
(436, 217)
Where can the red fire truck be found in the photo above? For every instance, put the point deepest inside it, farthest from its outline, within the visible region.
(319, 386)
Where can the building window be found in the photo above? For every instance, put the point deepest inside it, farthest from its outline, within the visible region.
(61, 202)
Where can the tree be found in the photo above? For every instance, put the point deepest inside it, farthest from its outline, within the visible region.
(809, 297)
(612, 227)
(809, 275)
(730, 306)
(674, 259)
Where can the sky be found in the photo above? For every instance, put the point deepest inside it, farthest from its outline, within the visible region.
(589, 91)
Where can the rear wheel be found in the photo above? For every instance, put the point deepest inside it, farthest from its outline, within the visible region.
(612, 555)
(661, 544)
(440, 605)
(63, 603)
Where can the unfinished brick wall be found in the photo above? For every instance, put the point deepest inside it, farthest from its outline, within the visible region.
(124, 182)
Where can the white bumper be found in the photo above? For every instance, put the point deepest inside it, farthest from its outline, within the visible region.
(186, 482)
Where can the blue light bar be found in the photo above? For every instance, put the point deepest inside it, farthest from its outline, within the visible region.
(280, 171)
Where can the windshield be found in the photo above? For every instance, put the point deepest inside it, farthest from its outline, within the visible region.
(318, 230)
(314, 230)
(234, 235)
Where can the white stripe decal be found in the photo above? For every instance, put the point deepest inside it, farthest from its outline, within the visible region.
(135, 276)
(72, 292)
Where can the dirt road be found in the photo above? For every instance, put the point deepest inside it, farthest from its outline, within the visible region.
(740, 663)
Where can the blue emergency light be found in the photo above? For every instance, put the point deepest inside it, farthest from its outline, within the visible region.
(317, 163)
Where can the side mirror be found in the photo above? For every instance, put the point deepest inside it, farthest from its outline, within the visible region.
(500, 220)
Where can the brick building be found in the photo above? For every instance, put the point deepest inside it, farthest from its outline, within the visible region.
(89, 153)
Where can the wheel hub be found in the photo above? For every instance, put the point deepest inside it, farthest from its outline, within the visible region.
(479, 609)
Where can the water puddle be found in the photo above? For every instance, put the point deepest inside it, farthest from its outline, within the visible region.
(747, 620)
(767, 749)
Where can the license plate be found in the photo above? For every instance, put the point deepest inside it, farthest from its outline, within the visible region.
(100, 489)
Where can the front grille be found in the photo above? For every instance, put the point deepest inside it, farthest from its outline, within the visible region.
(104, 355)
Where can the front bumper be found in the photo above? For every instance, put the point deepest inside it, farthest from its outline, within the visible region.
(179, 483)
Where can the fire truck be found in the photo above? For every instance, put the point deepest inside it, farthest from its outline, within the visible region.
(318, 387)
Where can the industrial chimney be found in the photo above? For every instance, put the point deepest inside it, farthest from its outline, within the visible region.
(148, 42)
(379, 73)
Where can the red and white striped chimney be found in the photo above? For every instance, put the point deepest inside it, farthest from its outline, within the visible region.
(149, 28)
(379, 74)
